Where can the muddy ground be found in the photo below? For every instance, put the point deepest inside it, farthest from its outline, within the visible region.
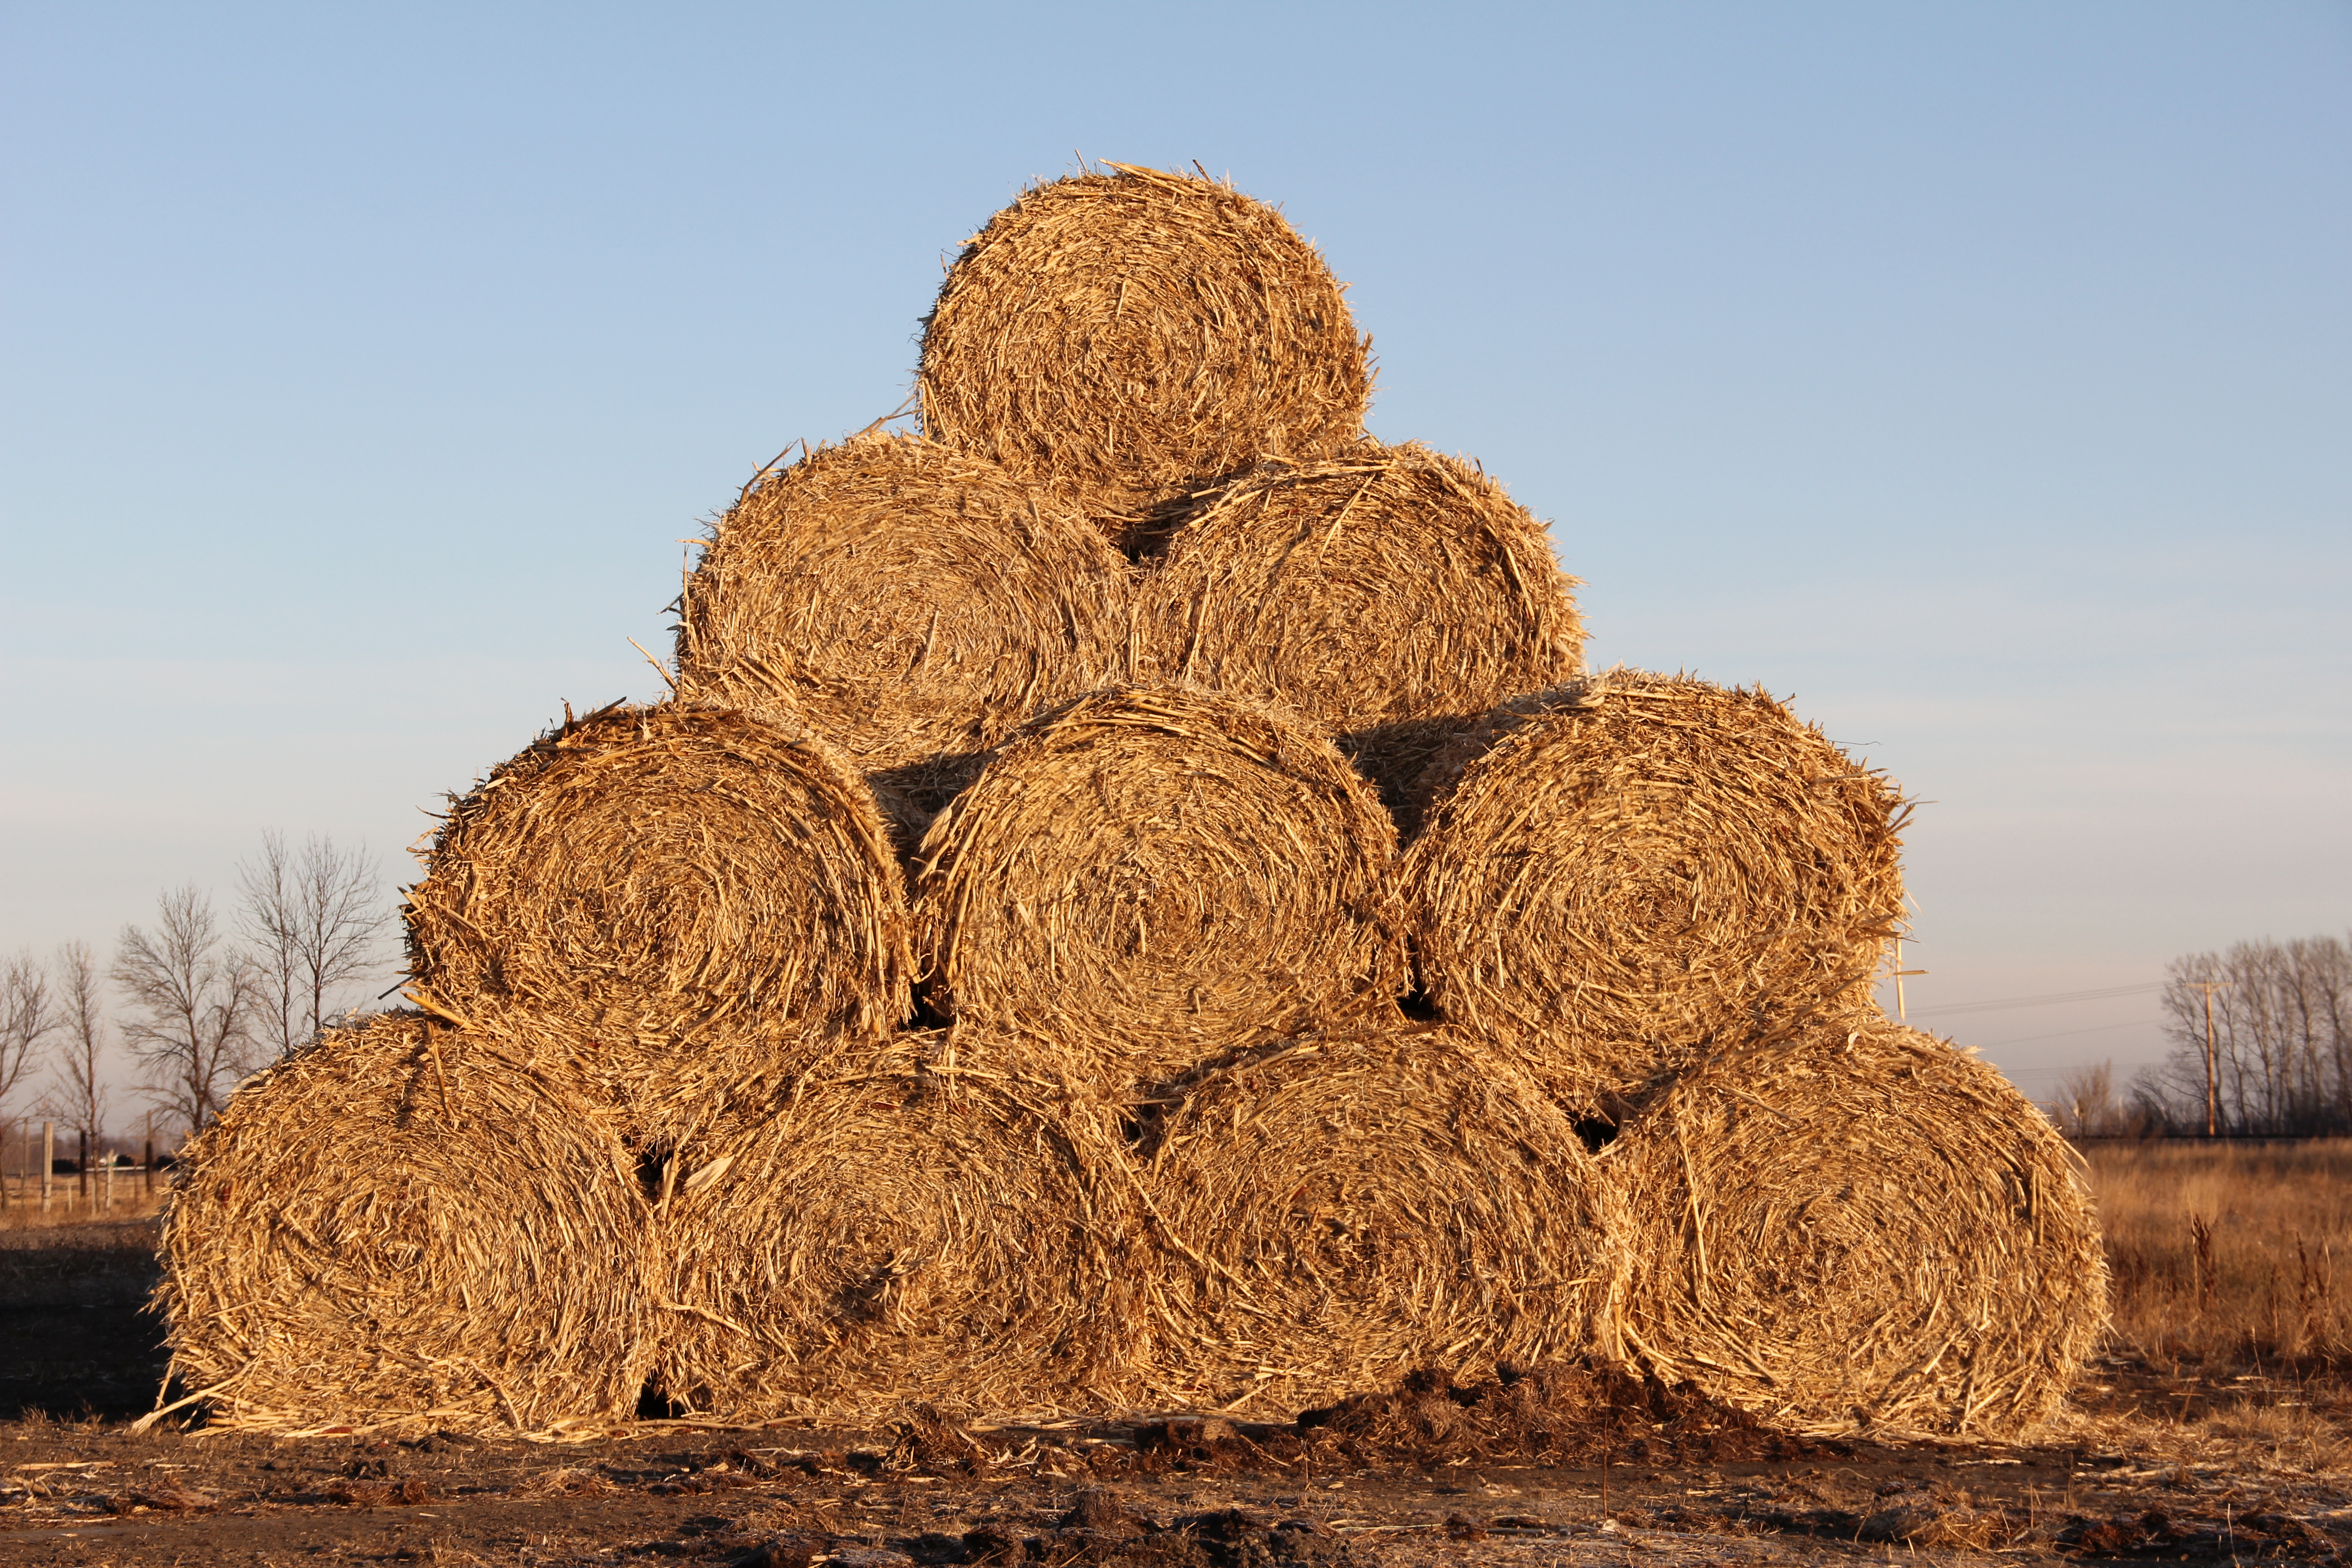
(2171, 1463)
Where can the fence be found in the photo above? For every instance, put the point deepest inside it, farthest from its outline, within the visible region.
(92, 1184)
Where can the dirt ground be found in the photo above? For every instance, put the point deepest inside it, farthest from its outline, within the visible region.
(2170, 1462)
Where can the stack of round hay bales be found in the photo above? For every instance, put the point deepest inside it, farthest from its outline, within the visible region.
(1075, 718)
(1665, 900)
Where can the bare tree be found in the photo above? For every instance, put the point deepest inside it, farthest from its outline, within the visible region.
(193, 996)
(2282, 1053)
(28, 1016)
(2086, 1104)
(80, 1096)
(311, 922)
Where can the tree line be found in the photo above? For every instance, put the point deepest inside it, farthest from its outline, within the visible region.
(2279, 1048)
(204, 1001)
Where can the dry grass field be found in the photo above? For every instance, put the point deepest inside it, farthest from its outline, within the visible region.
(2230, 1253)
(68, 1207)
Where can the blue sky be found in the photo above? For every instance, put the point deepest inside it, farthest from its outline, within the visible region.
(1979, 375)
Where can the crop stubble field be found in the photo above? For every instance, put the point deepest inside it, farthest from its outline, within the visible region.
(2212, 1429)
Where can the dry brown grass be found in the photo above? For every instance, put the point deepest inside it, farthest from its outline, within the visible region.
(1621, 875)
(1391, 594)
(661, 883)
(70, 1206)
(1123, 337)
(1154, 876)
(891, 1235)
(909, 603)
(1859, 1228)
(1346, 1207)
(397, 1228)
(2231, 1252)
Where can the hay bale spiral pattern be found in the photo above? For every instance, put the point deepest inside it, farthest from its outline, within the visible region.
(1863, 1226)
(1391, 594)
(908, 601)
(1121, 338)
(889, 1235)
(398, 1228)
(1153, 877)
(1621, 875)
(1351, 1206)
(667, 882)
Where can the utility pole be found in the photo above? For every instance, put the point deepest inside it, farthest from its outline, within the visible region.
(2213, 1094)
(49, 1160)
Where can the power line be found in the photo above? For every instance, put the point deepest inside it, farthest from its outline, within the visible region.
(2051, 1000)
(2062, 1034)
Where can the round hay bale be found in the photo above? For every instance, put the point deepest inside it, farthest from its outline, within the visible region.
(679, 888)
(1394, 595)
(892, 1235)
(1615, 877)
(1350, 1207)
(399, 1229)
(1153, 877)
(909, 603)
(1122, 337)
(1861, 1227)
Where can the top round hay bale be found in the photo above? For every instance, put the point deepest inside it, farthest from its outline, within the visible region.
(1155, 875)
(1392, 594)
(1618, 876)
(911, 604)
(1123, 337)
(888, 1236)
(663, 881)
(398, 1229)
(1351, 1206)
(1861, 1227)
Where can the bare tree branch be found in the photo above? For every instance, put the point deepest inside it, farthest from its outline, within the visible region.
(312, 922)
(267, 918)
(193, 998)
(2281, 1024)
(81, 1097)
(28, 1016)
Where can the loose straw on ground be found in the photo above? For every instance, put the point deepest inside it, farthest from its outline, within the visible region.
(397, 1229)
(890, 1235)
(1621, 875)
(1122, 337)
(909, 603)
(666, 883)
(1863, 1227)
(1153, 877)
(1394, 595)
(1350, 1207)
